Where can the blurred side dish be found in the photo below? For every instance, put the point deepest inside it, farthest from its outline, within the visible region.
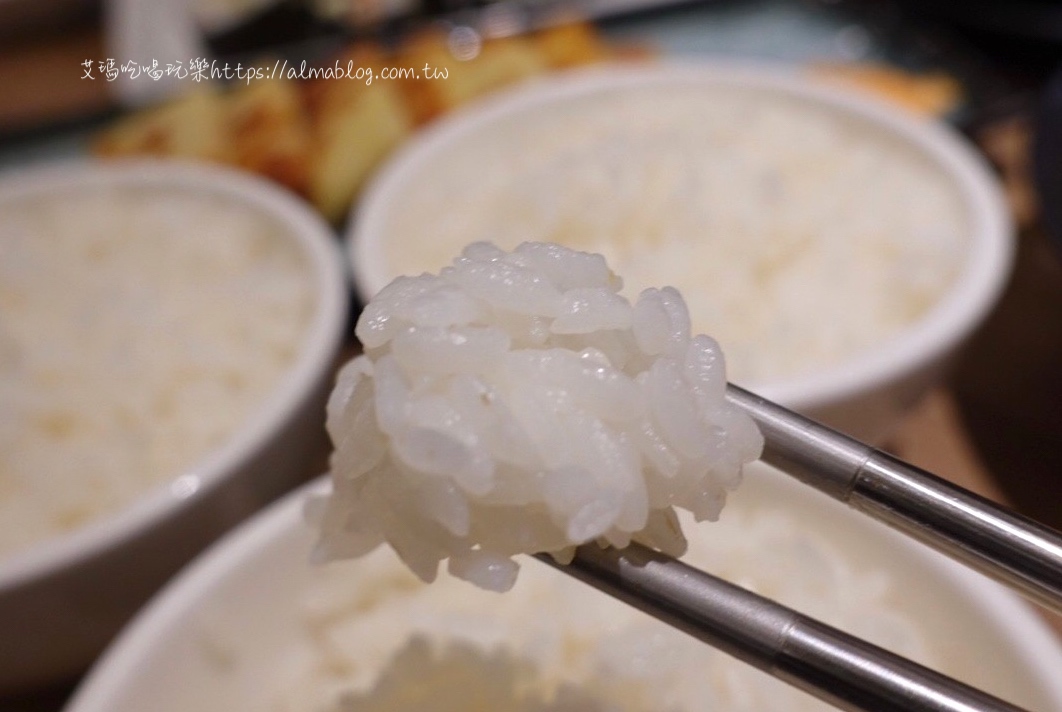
(321, 138)
(930, 94)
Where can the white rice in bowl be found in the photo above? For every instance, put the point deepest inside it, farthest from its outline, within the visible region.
(800, 237)
(255, 627)
(138, 329)
(374, 638)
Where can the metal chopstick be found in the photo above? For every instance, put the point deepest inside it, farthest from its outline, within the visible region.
(1006, 546)
(845, 671)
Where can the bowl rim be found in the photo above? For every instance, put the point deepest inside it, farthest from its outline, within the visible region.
(975, 290)
(1033, 644)
(316, 242)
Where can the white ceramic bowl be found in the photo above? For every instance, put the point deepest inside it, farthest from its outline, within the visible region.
(224, 633)
(864, 395)
(63, 599)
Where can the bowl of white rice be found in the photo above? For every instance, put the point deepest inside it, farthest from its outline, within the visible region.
(253, 625)
(167, 338)
(839, 250)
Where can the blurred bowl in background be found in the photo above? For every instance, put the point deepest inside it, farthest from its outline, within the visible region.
(839, 250)
(167, 337)
(252, 624)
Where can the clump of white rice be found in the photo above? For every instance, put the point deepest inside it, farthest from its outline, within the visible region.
(800, 237)
(139, 328)
(517, 403)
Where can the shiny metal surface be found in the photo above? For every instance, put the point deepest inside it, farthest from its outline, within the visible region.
(845, 671)
(1006, 546)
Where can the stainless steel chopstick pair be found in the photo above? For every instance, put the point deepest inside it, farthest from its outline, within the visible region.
(847, 672)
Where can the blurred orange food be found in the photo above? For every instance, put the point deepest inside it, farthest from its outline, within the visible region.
(192, 127)
(355, 125)
(271, 134)
(323, 137)
(931, 94)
